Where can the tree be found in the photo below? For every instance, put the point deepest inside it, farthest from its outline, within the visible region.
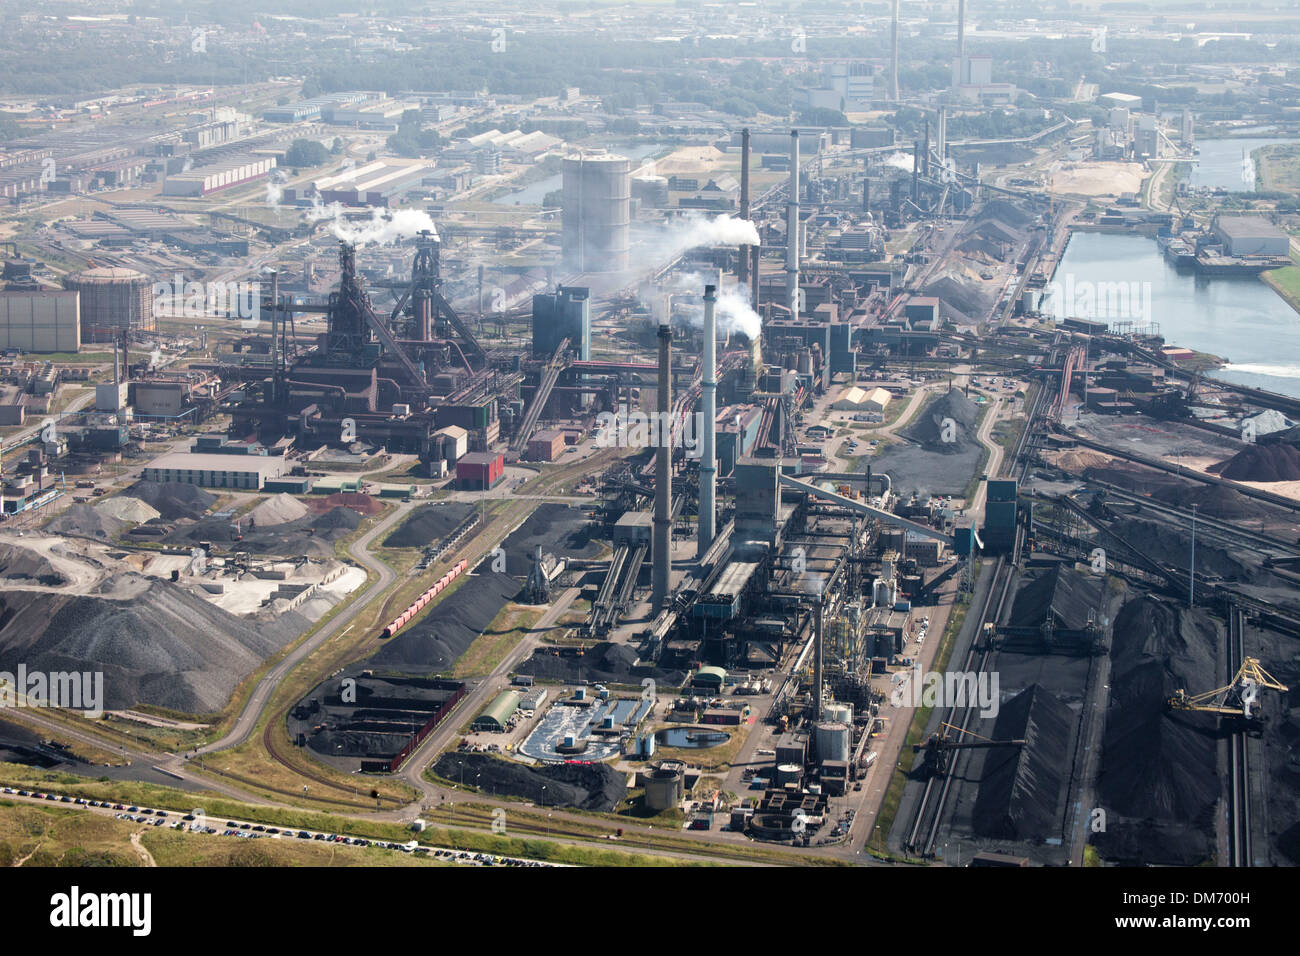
(306, 152)
(338, 145)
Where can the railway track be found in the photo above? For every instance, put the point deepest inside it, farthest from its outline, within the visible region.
(1239, 835)
(924, 832)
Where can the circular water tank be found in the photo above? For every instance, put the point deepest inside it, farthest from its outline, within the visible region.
(833, 741)
(839, 713)
(663, 789)
(597, 212)
(788, 773)
(111, 299)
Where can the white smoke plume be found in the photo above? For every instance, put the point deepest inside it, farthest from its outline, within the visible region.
(900, 160)
(732, 310)
(273, 193)
(385, 226)
(692, 232)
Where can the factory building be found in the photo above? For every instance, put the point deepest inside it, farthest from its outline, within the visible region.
(497, 714)
(597, 212)
(1251, 236)
(248, 472)
(45, 320)
(857, 399)
(480, 470)
(546, 445)
(564, 313)
(211, 179)
(999, 531)
(112, 299)
(374, 184)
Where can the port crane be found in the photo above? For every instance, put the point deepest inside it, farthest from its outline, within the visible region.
(1238, 699)
(938, 748)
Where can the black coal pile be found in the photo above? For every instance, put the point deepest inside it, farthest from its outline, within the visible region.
(604, 662)
(946, 425)
(437, 640)
(1022, 789)
(164, 647)
(1159, 780)
(1134, 478)
(429, 524)
(1215, 501)
(22, 565)
(173, 499)
(558, 529)
(1277, 462)
(1173, 546)
(1067, 595)
(592, 786)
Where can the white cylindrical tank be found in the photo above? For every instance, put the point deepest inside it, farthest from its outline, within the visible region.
(788, 773)
(834, 740)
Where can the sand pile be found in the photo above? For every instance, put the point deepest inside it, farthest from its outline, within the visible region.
(429, 524)
(165, 647)
(1276, 462)
(931, 430)
(127, 509)
(173, 499)
(1158, 769)
(280, 509)
(595, 786)
(1076, 461)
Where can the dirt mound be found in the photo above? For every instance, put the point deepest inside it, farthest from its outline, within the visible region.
(21, 565)
(173, 499)
(1277, 462)
(946, 425)
(593, 786)
(279, 509)
(429, 524)
(1158, 768)
(362, 504)
(84, 521)
(1077, 461)
(127, 509)
(436, 641)
(165, 647)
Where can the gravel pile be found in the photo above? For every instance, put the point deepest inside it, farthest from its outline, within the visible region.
(313, 536)
(173, 499)
(165, 647)
(594, 786)
(928, 430)
(127, 509)
(84, 521)
(280, 509)
(1159, 778)
(22, 565)
(429, 524)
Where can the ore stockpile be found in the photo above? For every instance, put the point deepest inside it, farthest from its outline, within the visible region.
(355, 733)
(929, 463)
(592, 786)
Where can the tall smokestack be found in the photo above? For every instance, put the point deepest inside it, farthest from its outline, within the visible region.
(275, 316)
(792, 230)
(817, 660)
(663, 529)
(893, 51)
(709, 414)
(959, 67)
(742, 260)
(916, 170)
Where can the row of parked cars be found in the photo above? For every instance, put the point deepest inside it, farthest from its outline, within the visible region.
(196, 822)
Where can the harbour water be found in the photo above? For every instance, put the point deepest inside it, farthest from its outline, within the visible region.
(1241, 319)
(1219, 164)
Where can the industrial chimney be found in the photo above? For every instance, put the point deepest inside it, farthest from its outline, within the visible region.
(709, 416)
(663, 529)
(742, 254)
(792, 230)
(893, 51)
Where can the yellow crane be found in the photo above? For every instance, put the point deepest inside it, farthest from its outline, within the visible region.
(1238, 699)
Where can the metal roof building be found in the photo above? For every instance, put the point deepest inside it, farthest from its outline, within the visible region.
(496, 714)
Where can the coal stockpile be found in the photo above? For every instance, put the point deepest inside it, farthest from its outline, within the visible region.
(368, 716)
(1133, 478)
(20, 565)
(1022, 788)
(1172, 546)
(173, 499)
(1214, 500)
(1065, 594)
(164, 647)
(1277, 462)
(558, 529)
(429, 524)
(933, 464)
(605, 662)
(592, 786)
(1159, 782)
(436, 641)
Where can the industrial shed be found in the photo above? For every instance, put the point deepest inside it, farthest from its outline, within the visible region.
(498, 713)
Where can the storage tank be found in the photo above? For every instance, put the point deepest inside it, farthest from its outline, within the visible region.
(597, 212)
(112, 299)
(664, 789)
(834, 739)
(788, 773)
(839, 713)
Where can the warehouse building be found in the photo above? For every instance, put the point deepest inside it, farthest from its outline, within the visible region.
(216, 471)
(497, 714)
(857, 399)
(1251, 236)
(40, 320)
(480, 470)
(546, 445)
(203, 182)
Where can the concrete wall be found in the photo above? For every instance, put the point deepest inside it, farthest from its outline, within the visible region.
(40, 321)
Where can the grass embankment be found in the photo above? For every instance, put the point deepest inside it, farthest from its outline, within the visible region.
(1286, 281)
(507, 629)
